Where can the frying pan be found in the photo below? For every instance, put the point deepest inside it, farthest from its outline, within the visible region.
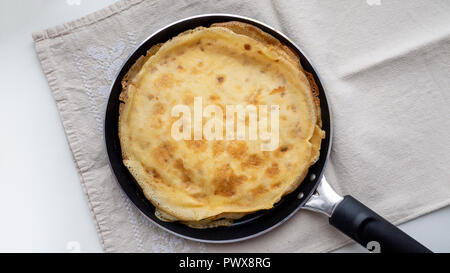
(314, 193)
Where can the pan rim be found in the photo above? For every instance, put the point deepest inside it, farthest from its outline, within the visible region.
(322, 92)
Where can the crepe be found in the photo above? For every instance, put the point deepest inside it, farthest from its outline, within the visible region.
(205, 183)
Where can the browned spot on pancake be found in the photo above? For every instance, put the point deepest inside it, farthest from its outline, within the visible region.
(195, 70)
(277, 61)
(259, 190)
(188, 98)
(283, 118)
(200, 64)
(164, 152)
(220, 78)
(297, 130)
(166, 80)
(247, 47)
(259, 52)
(199, 145)
(153, 173)
(276, 185)
(179, 53)
(186, 174)
(252, 161)
(199, 195)
(180, 67)
(157, 123)
(273, 171)
(158, 108)
(150, 96)
(237, 148)
(218, 147)
(294, 108)
(226, 181)
(214, 97)
(282, 150)
(279, 89)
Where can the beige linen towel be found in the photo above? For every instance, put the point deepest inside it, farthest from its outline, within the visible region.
(385, 67)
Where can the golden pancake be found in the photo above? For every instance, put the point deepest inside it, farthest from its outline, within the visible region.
(205, 183)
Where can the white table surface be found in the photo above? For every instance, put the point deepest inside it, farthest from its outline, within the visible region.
(42, 204)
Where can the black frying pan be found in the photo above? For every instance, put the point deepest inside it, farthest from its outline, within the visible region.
(314, 193)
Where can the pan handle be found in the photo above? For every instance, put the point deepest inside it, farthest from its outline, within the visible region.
(361, 223)
(371, 230)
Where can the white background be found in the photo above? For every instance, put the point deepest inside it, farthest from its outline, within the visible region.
(42, 205)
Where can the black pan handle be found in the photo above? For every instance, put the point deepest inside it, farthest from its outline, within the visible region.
(363, 225)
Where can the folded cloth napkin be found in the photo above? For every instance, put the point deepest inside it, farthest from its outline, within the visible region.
(385, 67)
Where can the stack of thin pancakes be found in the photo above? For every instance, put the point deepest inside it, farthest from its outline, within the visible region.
(208, 183)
